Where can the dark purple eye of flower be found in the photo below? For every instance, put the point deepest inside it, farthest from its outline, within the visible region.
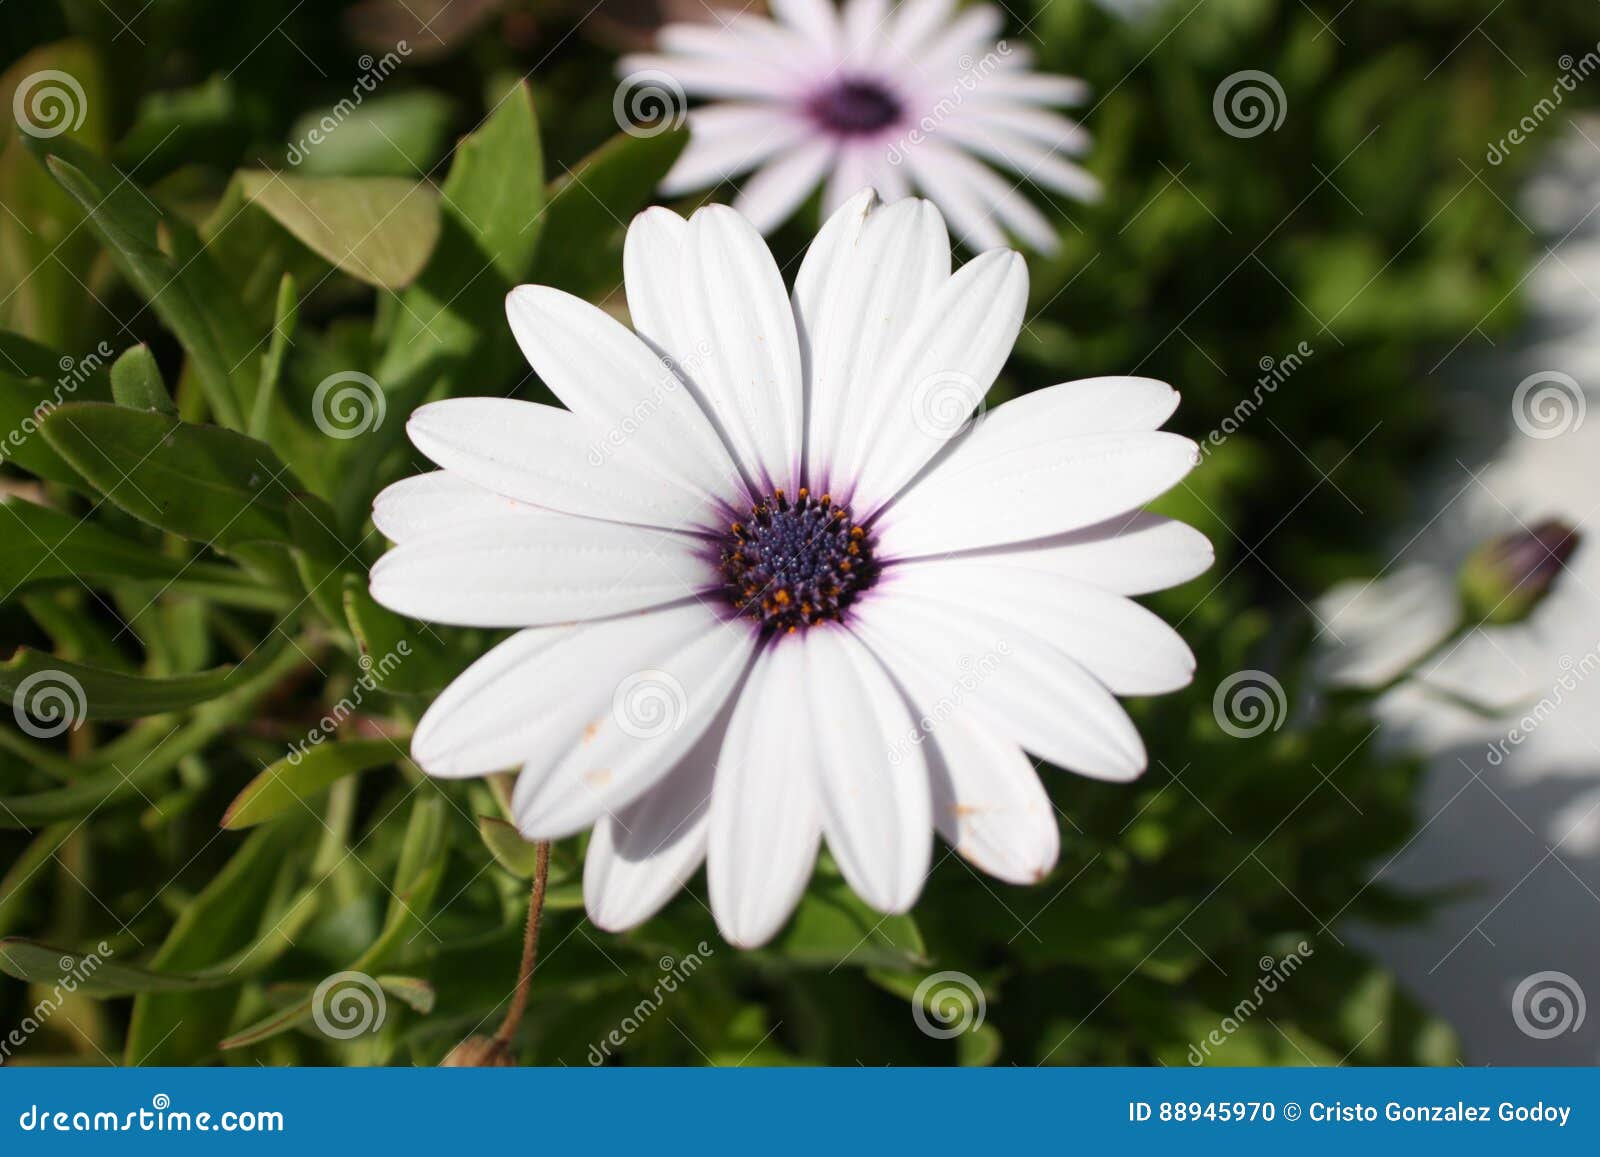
(854, 107)
(796, 564)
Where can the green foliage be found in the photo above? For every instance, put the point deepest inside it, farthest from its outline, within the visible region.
(186, 538)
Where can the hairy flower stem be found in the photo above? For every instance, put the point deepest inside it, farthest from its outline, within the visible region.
(530, 945)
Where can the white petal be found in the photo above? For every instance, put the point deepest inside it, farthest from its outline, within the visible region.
(1050, 129)
(424, 503)
(823, 272)
(639, 857)
(915, 24)
(976, 28)
(552, 458)
(1106, 405)
(765, 827)
(864, 34)
(1000, 197)
(1033, 88)
(738, 322)
(713, 77)
(534, 692)
(773, 194)
(652, 266)
(1030, 690)
(1032, 492)
(1039, 164)
(988, 803)
(515, 572)
(607, 375)
(654, 716)
(970, 218)
(942, 366)
(876, 288)
(1125, 646)
(1132, 554)
(1376, 629)
(727, 140)
(872, 781)
(851, 175)
(816, 18)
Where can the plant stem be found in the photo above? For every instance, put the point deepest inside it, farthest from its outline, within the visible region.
(530, 945)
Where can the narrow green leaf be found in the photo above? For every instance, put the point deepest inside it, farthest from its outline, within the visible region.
(136, 382)
(296, 778)
(229, 914)
(45, 545)
(99, 976)
(181, 287)
(205, 483)
(26, 871)
(412, 990)
(285, 314)
(379, 230)
(102, 694)
(404, 657)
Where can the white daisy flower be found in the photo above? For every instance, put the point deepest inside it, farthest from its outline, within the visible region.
(891, 95)
(768, 585)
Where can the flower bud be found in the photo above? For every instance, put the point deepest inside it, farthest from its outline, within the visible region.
(1507, 576)
(479, 1052)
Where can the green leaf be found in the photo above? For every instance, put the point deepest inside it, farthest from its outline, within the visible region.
(136, 382)
(405, 657)
(296, 778)
(379, 230)
(99, 976)
(393, 135)
(102, 694)
(513, 853)
(43, 545)
(45, 273)
(586, 216)
(228, 914)
(205, 483)
(832, 925)
(25, 871)
(179, 280)
(285, 315)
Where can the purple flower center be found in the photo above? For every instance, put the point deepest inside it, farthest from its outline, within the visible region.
(852, 108)
(795, 564)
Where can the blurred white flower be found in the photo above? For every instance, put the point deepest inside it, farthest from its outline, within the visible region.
(857, 609)
(892, 95)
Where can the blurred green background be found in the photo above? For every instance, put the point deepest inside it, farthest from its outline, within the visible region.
(1366, 236)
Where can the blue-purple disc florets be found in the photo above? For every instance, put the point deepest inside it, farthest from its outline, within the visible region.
(793, 564)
